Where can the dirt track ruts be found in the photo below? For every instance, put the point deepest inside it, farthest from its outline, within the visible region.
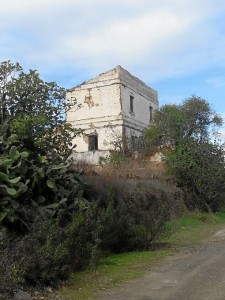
(192, 274)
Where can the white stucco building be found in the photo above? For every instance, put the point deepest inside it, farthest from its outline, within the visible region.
(114, 105)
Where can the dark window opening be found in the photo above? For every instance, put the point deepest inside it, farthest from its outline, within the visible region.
(92, 142)
(150, 113)
(131, 104)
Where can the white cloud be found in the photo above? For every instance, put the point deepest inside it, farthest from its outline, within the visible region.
(163, 38)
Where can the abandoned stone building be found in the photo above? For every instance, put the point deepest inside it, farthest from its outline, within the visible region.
(114, 105)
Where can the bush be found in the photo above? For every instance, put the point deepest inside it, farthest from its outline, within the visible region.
(116, 158)
(131, 216)
(49, 252)
(120, 217)
(10, 275)
(199, 170)
(117, 225)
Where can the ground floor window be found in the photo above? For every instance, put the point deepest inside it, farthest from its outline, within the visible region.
(92, 142)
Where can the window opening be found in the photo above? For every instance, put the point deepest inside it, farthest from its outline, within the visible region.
(131, 104)
(150, 113)
(92, 142)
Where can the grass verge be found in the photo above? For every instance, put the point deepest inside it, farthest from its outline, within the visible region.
(115, 269)
(190, 229)
(110, 271)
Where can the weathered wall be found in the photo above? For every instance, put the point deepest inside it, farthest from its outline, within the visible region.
(93, 158)
(143, 98)
(100, 110)
(106, 136)
(105, 108)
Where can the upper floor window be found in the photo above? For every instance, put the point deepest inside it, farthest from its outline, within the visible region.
(131, 104)
(92, 142)
(150, 113)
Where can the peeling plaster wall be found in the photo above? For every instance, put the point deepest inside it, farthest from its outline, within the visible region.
(106, 135)
(100, 110)
(105, 108)
(143, 98)
(90, 157)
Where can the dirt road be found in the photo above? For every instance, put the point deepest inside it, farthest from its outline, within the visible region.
(192, 274)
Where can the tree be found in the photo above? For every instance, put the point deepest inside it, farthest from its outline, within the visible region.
(36, 110)
(193, 159)
(199, 170)
(194, 118)
(35, 142)
(8, 72)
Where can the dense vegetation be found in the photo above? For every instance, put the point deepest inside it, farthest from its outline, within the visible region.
(37, 187)
(51, 222)
(194, 156)
(35, 142)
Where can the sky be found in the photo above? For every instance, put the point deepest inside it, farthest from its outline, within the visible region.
(177, 47)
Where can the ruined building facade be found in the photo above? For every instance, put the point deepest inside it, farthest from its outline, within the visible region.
(113, 106)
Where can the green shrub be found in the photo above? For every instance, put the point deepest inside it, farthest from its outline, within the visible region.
(131, 217)
(29, 183)
(116, 158)
(49, 252)
(117, 224)
(10, 275)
